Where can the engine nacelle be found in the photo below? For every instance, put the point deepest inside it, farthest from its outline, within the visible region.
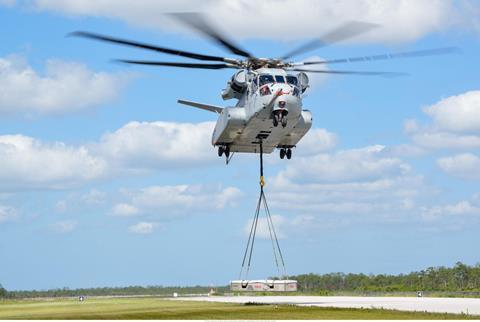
(303, 81)
(236, 86)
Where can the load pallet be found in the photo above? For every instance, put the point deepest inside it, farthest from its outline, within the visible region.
(263, 286)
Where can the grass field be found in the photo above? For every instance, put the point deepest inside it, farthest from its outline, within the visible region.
(155, 308)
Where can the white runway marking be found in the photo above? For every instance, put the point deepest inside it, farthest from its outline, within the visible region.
(425, 304)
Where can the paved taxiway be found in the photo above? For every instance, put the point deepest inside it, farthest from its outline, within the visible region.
(428, 304)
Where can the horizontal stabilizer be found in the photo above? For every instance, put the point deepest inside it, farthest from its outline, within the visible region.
(207, 107)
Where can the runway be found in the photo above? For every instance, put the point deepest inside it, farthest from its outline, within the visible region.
(425, 304)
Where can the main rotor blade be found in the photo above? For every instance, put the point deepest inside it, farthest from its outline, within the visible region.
(348, 72)
(345, 31)
(198, 22)
(146, 46)
(172, 64)
(406, 54)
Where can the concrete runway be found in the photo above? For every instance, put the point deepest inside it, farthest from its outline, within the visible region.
(425, 304)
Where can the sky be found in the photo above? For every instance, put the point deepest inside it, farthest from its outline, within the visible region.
(106, 181)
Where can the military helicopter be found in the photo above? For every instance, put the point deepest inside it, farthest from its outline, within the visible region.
(269, 111)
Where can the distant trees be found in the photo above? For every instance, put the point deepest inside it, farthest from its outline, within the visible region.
(461, 277)
(113, 291)
(3, 292)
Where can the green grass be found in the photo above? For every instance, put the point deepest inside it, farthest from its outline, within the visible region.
(155, 308)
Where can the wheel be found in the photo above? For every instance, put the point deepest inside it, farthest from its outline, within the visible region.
(282, 153)
(284, 121)
(275, 120)
(220, 151)
(227, 151)
(289, 154)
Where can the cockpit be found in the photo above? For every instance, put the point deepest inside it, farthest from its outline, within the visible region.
(266, 79)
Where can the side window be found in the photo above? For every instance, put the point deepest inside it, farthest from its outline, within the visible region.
(279, 79)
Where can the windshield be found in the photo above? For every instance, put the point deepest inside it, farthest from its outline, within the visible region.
(265, 79)
(279, 79)
(292, 80)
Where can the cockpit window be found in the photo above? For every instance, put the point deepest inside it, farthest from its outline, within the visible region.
(292, 80)
(279, 79)
(265, 79)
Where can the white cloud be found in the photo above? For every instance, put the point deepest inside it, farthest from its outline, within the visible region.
(63, 227)
(345, 187)
(7, 214)
(280, 224)
(171, 201)
(343, 166)
(432, 139)
(316, 141)
(124, 210)
(457, 211)
(465, 165)
(460, 113)
(66, 87)
(29, 163)
(155, 145)
(405, 20)
(455, 124)
(142, 228)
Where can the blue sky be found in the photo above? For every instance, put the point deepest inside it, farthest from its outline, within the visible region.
(106, 181)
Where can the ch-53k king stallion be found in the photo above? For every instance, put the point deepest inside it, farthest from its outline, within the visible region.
(269, 111)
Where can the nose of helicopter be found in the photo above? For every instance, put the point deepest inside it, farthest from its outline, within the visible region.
(287, 100)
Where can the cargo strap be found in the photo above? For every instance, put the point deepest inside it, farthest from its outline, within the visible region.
(277, 253)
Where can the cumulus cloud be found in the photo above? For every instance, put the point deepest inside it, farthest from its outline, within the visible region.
(29, 163)
(316, 141)
(7, 214)
(65, 87)
(343, 166)
(171, 201)
(63, 227)
(150, 145)
(402, 21)
(456, 211)
(454, 124)
(142, 228)
(465, 166)
(347, 186)
(460, 113)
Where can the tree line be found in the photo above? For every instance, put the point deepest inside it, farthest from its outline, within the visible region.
(459, 278)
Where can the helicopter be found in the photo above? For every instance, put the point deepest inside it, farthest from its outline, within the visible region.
(268, 113)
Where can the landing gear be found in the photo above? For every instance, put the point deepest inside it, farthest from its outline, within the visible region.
(289, 154)
(285, 153)
(279, 116)
(224, 149)
(275, 119)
